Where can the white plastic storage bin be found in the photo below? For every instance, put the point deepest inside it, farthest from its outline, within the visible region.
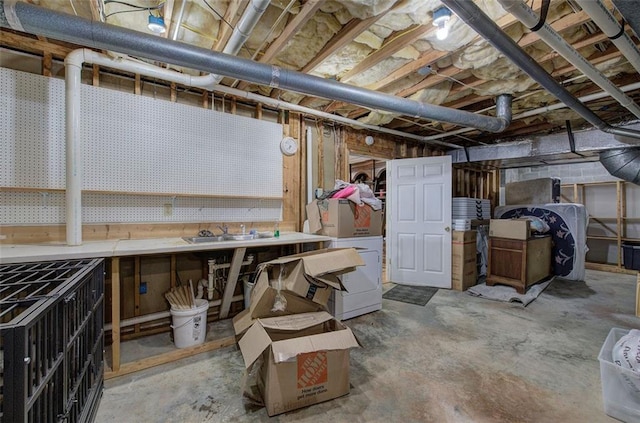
(620, 386)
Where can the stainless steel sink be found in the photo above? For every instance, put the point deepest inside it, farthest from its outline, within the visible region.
(238, 237)
(200, 239)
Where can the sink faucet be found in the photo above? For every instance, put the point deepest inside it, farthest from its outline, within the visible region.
(224, 229)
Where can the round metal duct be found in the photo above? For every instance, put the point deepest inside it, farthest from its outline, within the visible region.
(623, 163)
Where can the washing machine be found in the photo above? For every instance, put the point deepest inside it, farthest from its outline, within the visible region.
(364, 285)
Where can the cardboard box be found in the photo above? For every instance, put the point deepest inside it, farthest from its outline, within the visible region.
(464, 269)
(510, 228)
(306, 285)
(342, 218)
(297, 360)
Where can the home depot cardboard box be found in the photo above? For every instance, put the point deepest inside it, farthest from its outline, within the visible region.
(464, 269)
(297, 360)
(510, 228)
(305, 283)
(342, 218)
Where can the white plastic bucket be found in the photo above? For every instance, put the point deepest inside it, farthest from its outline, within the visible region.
(248, 287)
(190, 326)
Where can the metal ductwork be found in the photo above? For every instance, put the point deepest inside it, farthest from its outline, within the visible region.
(623, 163)
(473, 16)
(36, 20)
(631, 13)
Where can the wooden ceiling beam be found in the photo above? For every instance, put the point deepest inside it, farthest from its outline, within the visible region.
(27, 43)
(292, 28)
(232, 16)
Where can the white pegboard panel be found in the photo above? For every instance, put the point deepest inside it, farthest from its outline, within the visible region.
(141, 144)
(31, 208)
(116, 208)
(134, 144)
(31, 130)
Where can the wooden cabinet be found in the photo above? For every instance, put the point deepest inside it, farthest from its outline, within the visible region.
(518, 263)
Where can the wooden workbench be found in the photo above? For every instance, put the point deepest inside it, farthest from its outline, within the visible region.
(115, 249)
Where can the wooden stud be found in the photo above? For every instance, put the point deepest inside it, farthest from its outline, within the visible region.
(174, 92)
(47, 61)
(575, 193)
(205, 99)
(234, 106)
(136, 290)
(115, 313)
(95, 76)
(137, 85)
(619, 221)
(259, 111)
(174, 267)
(232, 279)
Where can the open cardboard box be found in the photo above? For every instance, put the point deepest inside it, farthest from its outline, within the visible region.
(297, 360)
(306, 284)
(342, 218)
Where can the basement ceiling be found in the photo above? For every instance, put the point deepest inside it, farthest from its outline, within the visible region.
(391, 46)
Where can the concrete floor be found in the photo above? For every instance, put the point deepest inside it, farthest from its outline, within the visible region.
(457, 359)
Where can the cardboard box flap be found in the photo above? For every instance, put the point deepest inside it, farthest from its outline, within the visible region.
(324, 261)
(331, 261)
(289, 349)
(313, 216)
(253, 343)
(331, 280)
(242, 321)
(296, 321)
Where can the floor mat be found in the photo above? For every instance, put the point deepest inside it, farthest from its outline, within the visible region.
(508, 293)
(419, 295)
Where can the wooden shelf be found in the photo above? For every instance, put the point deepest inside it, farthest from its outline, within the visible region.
(154, 194)
(616, 225)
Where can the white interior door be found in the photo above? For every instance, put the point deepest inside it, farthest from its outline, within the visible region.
(419, 221)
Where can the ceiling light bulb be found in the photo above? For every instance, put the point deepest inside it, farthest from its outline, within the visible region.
(156, 24)
(442, 32)
(441, 19)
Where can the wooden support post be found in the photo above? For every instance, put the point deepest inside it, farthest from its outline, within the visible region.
(95, 79)
(234, 272)
(259, 111)
(137, 85)
(234, 105)
(174, 92)
(174, 271)
(47, 60)
(575, 193)
(115, 313)
(619, 220)
(205, 98)
(136, 290)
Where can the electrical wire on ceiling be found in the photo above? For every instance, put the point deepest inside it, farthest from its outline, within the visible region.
(73, 8)
(133, 6)
(225, 21)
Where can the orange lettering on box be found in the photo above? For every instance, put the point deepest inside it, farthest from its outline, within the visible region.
(362, 217)
(312, 369)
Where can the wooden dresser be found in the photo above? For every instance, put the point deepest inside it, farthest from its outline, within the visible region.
(519, 263)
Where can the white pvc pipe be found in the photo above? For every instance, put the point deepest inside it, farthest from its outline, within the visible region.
(73, 145)
(529, 18)
(611, 27)
(178, 23)
(241, 32)
(162, 314)
(533, 112)
(309, 140)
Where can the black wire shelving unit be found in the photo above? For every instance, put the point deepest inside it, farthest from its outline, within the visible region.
(51, 340)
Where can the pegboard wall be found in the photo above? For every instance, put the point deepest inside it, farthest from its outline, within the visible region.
(134, 144)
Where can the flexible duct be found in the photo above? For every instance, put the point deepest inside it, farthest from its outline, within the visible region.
(37, 20)
(473, 16)
(611, 28)
(623, 163)
(530, 19)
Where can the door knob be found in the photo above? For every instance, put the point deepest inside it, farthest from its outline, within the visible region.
(447, 229)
